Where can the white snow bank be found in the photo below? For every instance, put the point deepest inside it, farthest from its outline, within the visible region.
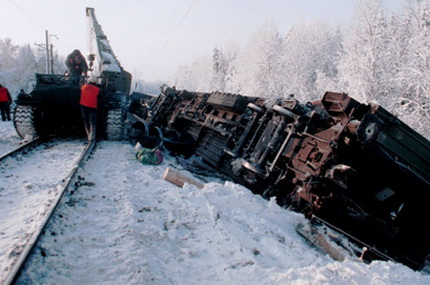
(125, 225)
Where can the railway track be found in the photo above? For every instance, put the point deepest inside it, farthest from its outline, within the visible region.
(34, 179)
(22, 148)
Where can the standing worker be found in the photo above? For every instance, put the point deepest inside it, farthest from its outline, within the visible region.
(89, 96)
(5, 101)
(77, 65)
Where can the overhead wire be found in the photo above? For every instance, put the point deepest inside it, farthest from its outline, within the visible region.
(27, 14)
(175, 30)
(35, 21)
(169, 22)
(160, 51)
(162, 35)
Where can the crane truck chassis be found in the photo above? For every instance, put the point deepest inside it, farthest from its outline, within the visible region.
(347, 166)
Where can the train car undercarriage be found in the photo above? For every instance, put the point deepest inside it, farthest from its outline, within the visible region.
(353, 167)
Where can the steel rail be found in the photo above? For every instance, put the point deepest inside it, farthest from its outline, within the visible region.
(19, 265)
(25, 146)
(352, 238)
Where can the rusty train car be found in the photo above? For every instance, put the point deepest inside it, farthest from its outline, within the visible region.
(351, 166)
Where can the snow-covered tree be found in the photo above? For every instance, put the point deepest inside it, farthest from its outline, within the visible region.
(8, 54)
(24, 69)
(195, 77)
(362, 66)
(232, 85)
(218, 71)
(259, 66)
(310, 54)
(59, 64)
(413, 103)
(331, 51)
(19, 64)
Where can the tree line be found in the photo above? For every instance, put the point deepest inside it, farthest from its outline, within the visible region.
(381, 57)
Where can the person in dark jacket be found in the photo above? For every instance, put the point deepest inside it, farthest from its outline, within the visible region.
(77, 65)
(88, 102)
(5, 101)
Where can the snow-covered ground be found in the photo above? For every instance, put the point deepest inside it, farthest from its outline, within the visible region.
(29, 186)
(9, 138)
(125, 225)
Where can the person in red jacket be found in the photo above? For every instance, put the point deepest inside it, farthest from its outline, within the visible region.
(88, 102)
(5, 101)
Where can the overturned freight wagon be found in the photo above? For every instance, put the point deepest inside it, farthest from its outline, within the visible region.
(352, 166)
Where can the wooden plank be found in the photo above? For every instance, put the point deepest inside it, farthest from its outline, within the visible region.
(180, 179)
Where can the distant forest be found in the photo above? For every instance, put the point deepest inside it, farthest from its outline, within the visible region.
(381, 57)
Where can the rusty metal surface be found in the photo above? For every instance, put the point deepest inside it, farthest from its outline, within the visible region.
(353, 165)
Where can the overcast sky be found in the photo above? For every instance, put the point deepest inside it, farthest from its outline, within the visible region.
(151, 38)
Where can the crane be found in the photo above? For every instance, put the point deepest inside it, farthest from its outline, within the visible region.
(102, 60)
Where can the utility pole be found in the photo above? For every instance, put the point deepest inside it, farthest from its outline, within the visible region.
(52, 59)
(47, 52)
(51, 47)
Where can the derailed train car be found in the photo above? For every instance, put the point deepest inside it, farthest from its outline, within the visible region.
(353, 167)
